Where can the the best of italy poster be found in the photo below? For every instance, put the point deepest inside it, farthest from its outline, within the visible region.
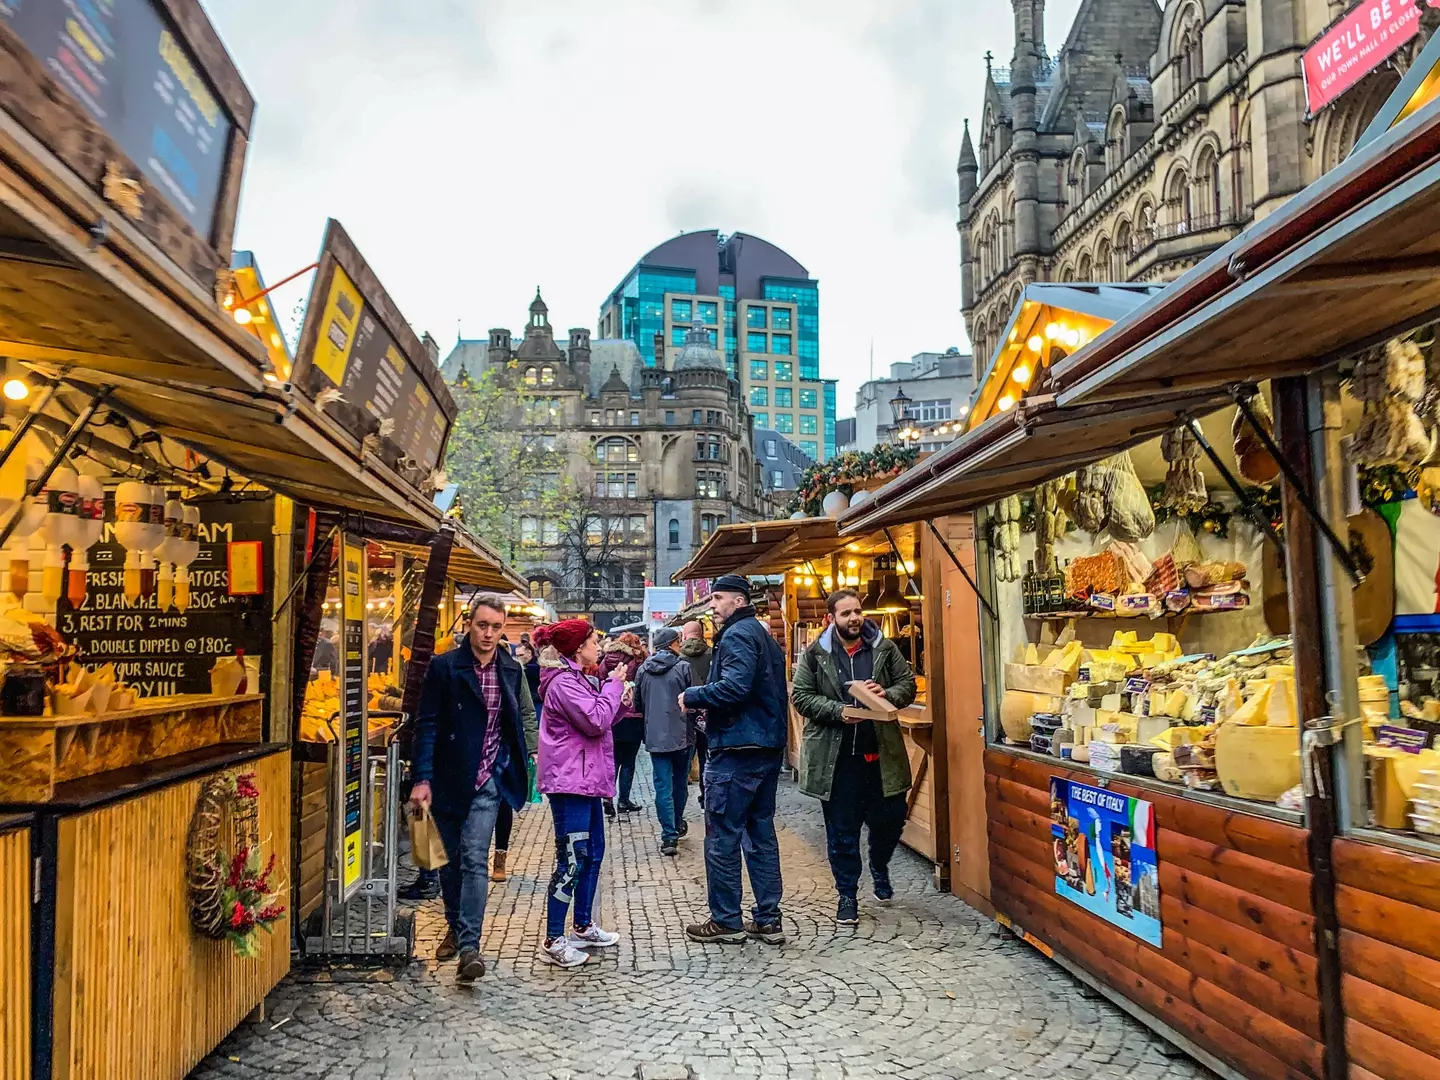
(1104, 848)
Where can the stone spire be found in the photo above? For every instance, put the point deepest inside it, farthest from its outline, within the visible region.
(967, 156)
(1029, 29)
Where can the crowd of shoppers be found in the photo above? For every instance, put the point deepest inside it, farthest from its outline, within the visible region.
(477, 735)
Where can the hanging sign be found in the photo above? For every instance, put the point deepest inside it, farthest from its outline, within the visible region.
(354, 722)
(1363, 39)
(361, 362)
(1104, 849)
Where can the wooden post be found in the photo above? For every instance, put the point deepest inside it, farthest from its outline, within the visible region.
(928, 560)
(422, 648)
(1303, 574)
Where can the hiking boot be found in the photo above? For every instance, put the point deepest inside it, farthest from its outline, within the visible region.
(497, 866)
(884, 892)
(712, 933)
(847, 912)
(560, 952)
(471, 966)
(592, 937)
(769, 933)
(668, 847)
(424, 887)
(449, 946)
(683, 830)
(609, 805)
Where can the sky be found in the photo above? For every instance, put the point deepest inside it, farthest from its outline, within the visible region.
(475, 149)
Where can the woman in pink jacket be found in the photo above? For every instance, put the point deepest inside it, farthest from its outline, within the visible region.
(576, 769)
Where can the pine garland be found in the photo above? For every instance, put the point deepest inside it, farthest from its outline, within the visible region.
(847, 472)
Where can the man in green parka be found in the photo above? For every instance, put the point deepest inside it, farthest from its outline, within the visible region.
(859, 770)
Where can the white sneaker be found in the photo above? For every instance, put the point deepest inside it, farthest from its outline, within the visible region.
(562, 953)
(592, 937)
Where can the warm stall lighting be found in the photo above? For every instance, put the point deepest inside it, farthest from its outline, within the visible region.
(243, 316)
(1006, 403)
(1054, 330)
(851, 564)
(1036, 343)
(16, 389)
(829, 582)
(1072, 338)
(964, 410)
(1021, 374)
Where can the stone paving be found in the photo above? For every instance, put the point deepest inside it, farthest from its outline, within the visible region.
(926, 987)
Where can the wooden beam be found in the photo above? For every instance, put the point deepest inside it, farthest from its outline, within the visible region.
(1359, 275)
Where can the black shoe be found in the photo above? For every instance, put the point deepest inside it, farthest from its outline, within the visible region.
(609, 805)
(449, 946)
(627, 807)
(884, 892)
(684, 829)
(847, 912)
(710, 933)
(769, 933)
(422, 888)
(669, 848)
(471, 966)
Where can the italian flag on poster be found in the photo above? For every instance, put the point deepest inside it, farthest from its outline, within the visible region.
(1417, 560)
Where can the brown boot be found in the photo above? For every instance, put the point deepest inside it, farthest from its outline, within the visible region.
(497, 866)
(449, 946)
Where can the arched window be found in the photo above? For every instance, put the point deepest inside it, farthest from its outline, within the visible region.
(1120, 268)
(1084, 269)
(1187, 50)
(1243, 173)
(541, 588)
(674, 532)
(1067, 273)
(1075, 181)
(616, 451)
(1207, 184)
(531, 377)
(1144, 225)
(1102, 260)
(1117, 137)
(1178, 207)
(547, 375)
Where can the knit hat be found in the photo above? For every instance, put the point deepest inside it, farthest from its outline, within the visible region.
(566, 636)
(732, 583)
(665, 638)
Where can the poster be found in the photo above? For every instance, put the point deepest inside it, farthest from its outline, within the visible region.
(354, 698)
(1356, 44)
(1104, 849)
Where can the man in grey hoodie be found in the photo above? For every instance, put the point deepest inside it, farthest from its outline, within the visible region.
(669, 733)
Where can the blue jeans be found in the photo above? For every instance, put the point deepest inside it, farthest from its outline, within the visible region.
(740, 815)
(672, 787)
(465, 879)
(579, 850)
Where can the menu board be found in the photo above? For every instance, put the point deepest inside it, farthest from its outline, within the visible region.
(346, 348)
(171, 652)
(354, 701)
(125, 66)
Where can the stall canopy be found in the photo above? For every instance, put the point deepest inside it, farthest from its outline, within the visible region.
(1035, 441)
(1355, 256)
(771, 547)
(1050, 321)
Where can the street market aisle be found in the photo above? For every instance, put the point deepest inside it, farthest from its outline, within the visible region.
(924, 988)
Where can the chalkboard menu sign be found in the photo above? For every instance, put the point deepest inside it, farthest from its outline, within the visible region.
(171, 652)
(355, 344)
(130, 71)
(354, 703)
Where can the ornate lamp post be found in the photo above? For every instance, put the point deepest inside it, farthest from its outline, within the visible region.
(900, 410)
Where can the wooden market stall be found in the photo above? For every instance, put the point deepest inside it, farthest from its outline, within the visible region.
(810, 558)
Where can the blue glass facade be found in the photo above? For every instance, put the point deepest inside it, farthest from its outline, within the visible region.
(643, 305)
(809, 447)
(756, 342)
(829, 419)
(805, 295)
(727, 293)
(785, 398)
(809, 399)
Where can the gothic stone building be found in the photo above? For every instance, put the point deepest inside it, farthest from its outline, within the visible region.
(1151, 138)
(662, 454)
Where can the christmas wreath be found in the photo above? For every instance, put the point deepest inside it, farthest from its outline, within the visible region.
(847, 472)
(231, 896)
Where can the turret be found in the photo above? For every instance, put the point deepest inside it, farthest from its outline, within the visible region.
(500, 350)
(968, 171)
(579, 353)
(1025, 153)
(1029, 29)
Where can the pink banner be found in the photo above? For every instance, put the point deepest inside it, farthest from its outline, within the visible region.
(1355, 46)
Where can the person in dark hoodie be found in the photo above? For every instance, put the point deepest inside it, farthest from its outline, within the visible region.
(858, 770)
(626, 651)
(697, 654)
(669, 733)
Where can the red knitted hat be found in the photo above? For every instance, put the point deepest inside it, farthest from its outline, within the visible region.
(567, 636)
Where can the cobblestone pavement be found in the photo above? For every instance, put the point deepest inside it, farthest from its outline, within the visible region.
(924, 988)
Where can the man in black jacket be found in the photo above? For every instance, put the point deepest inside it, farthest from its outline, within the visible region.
(475, 729)
(745, 703)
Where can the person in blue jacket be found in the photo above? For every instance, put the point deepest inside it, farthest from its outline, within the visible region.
(744, 699)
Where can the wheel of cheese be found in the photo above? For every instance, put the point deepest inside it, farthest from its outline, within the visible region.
(1016, 708)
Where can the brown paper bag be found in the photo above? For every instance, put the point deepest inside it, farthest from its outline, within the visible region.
(427, 850)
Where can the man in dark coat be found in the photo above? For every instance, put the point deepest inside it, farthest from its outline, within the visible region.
(669, 733)
(475, 728)
(697, 654)
(746, 728)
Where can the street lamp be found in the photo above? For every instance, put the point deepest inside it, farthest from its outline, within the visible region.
(900, 410)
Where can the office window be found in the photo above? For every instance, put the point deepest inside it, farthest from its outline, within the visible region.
(617, 485)
(706, 313)
(712, 417)
(805, 295)
(695, 416)
(541, 588)
(809, 425)
(637, 528)
(594, 530)
(674, 532)
(710, 337)
(759, 395)
(680, 311)
(595, 417)
(762, 419)
(785, 423)
(810, 448)
(617, 530)
(809, 399)
(779, 318)
(709, 485)
(770, 448)
(756, 342)
(634, 419)
(784, 370)
(677, 335)
(931, 411)
(708, 524)
(759, 370)
(777, 479)
(780, 343)
(631, 485)
(616, 450)
(669, 416)
(784, 397)
(531, 377)
(755, 319)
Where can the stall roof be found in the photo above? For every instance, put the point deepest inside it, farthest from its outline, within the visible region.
(474, 562)
(768, 547)
(1033, 442)
(1350, 261)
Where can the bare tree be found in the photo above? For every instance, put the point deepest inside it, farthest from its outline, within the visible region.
(594, 540)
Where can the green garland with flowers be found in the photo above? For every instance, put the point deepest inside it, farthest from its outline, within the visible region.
(231, 894)
(848, 472)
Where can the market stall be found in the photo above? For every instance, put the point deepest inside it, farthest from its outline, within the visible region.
(809, 558)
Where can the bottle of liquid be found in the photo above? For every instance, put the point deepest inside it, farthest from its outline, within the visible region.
(1027, 590)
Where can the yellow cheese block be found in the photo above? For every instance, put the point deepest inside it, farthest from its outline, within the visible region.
(1032, 654)
(1283, 711)
(1257, 762)
(1122, 640)
(1165, 643)
(1255, 711)
(1016, 708)
(1180, 736)
(1066, 659)
(1107, 671)
(1280, 671)
(1393, 776)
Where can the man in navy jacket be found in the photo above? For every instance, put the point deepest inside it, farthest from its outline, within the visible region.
(475, 730)
(745, 703)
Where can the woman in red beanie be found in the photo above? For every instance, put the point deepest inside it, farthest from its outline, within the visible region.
(576, 770)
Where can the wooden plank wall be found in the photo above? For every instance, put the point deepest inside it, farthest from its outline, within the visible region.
(1236, 973)
(314, 816)
(15, 954)
(1389, 908)
(138, 993)
(919, 834)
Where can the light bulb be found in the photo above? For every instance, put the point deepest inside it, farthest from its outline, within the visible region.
(243, 316)
(16, 389)
(1006, 403)
(964, 410)
(1021, 374)
(1072, 338)
(1054, 330)
(1036, 343)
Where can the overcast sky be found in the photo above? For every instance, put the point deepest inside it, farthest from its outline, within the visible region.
(477, 148)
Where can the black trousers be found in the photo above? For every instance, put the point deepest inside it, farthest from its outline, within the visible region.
(857, 800)
(504, 822)
(625, 755)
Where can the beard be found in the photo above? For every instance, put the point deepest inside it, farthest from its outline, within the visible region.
(850, 635)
